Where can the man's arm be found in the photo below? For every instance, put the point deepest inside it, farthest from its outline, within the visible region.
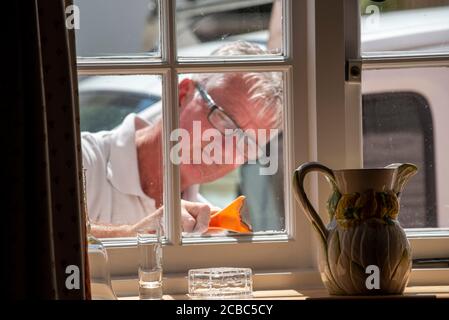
(111, 231)
(195, 218)
(103, 230)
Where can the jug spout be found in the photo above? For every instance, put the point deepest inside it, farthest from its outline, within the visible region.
(404, 171)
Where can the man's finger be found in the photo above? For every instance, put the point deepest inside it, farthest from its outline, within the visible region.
(195, 208)
(201, 213)
(188, 222)
(202, 220)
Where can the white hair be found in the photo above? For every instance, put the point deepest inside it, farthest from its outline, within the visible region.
(265, 88)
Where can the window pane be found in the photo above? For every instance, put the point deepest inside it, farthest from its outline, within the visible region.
(405, 27)
(117, 28)
(204, 25)
(220, 162)
(405, 115)
(120, 120)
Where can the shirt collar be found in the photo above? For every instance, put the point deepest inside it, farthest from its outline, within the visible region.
(123, 170)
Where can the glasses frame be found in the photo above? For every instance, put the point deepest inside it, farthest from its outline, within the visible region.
(213, 107)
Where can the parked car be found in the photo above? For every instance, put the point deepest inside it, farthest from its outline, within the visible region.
(106, 100)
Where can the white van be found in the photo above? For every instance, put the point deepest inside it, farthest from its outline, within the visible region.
(406, 110)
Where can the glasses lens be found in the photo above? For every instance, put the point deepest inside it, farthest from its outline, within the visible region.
(222, 122)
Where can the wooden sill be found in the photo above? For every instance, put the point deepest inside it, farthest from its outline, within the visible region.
(429, 292)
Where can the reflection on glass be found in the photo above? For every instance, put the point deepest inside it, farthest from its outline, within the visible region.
(404, 27)
(120, 120)
(117, 28)
(405, 116)
(204, 25)
(106, 100)
(219, 162)
(122, 152)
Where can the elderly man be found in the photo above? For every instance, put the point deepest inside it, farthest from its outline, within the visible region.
(124, 166)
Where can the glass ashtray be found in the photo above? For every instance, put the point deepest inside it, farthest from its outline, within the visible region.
(220, 283)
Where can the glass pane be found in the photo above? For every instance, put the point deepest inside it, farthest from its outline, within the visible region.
(205, 25)
(220, 162)
(120, 120)
(403, 27)
(405, 119)
(117, 28)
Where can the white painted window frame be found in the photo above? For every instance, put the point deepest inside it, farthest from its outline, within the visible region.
(278, 261)
(425, 243)
(324, 125)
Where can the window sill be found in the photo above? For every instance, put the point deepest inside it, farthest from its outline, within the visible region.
(427, 292)
(295, 284)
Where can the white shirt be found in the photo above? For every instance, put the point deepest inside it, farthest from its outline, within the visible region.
(113, 190)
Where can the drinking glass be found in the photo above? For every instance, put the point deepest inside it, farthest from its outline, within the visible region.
(149, 244)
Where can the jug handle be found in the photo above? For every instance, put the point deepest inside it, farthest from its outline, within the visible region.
(309, 210)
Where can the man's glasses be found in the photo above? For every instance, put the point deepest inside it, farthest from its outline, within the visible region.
(221, 121)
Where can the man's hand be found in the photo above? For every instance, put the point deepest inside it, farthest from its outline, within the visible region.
(195, 216)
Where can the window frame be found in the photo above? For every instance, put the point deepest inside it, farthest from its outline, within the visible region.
(426, 243)
(339, 141)
(288, 258)
(316, 85)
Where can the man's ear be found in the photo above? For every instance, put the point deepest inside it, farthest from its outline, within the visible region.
(186, 89)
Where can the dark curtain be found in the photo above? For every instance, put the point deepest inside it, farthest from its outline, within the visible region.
(43, 225)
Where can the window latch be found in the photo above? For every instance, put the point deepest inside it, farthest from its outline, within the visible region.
(353, 71)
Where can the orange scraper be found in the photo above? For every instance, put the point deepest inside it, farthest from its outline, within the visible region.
(229, 218)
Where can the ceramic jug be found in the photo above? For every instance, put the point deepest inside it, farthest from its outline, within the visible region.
(364, 250)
